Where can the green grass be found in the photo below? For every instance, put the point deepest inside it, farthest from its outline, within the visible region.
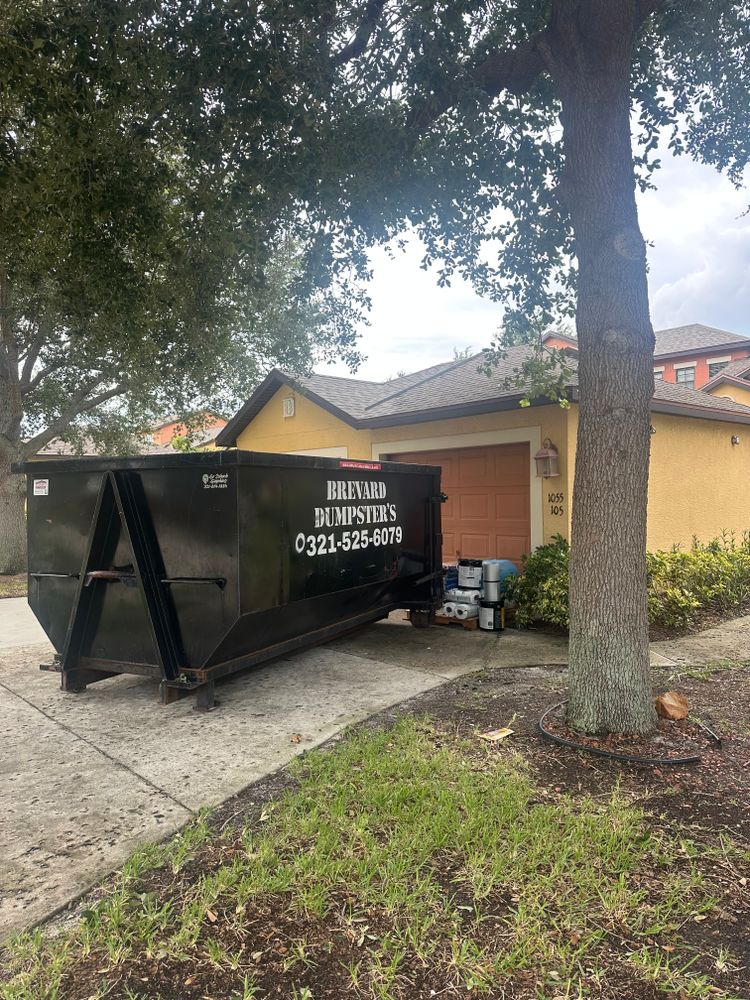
(447, 844)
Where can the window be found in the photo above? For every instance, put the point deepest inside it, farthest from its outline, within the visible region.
(659, 374)
(288, 406)
(685, 376)
(715, 365)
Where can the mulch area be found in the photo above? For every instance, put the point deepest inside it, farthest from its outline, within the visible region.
(702, 802)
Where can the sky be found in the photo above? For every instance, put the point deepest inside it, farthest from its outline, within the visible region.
(699, 273)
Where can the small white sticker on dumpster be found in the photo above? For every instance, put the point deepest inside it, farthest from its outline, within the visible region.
(215, 480)
(41, 487)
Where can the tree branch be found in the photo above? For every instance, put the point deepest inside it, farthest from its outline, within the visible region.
(79, 404)
(32, 354)
(362, 36)
(29, 386)
(514, 70)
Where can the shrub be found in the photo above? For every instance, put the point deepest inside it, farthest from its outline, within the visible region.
(542, 589)
(708, 579)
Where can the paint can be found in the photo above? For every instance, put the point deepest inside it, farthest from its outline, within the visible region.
(465, 611)
(464, 596)
(491, 590)
(491, 616)
(469, 573)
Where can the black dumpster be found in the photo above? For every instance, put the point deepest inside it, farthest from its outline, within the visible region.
(191, 567)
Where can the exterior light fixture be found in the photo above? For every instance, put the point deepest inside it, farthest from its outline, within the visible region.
(735, 439)
(546, 460)
(651, 429)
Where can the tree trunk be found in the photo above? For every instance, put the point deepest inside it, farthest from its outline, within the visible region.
(12, 488)
(610, 682)
(12, 516)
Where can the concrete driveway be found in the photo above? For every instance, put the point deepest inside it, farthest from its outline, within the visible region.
(84, 779)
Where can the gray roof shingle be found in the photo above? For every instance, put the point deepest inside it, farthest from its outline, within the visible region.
(444, 390)
(693, 337)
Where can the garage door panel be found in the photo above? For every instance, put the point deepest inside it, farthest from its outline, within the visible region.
(473, 505)
(471, 547)
(473, 469)
(488, 512)
(511, 505)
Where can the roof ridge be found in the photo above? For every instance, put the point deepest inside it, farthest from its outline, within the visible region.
(339, 378)
(706, 326)
(443, 370)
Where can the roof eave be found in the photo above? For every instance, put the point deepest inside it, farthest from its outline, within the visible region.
(695, 351)
(456, 410)
(227, 437)
(726, 379)
(699, 412)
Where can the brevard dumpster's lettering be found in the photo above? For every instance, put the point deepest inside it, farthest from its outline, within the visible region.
(351, 515)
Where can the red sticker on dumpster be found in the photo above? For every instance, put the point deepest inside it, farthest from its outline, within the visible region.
(374, 466)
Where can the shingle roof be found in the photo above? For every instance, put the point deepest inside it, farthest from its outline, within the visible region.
(693, 337)
(682, 395)
(451, 389)
(734, 370)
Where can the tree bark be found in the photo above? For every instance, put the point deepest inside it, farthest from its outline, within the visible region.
(12, 516)
(610, 684)
(12, 487)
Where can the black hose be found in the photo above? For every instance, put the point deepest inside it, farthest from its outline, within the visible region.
(611, 754)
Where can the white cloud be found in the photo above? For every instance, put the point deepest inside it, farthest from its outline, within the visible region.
(415, 323)
(700, 261)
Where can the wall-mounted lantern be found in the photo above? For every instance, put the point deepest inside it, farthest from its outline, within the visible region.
(547, 460)
(735, 439)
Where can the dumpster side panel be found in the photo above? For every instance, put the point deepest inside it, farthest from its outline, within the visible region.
(60, 507)
(193, 511)
(318, 546)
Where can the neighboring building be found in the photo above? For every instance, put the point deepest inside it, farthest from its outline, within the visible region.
(454, 416)
(209, 426)
(155, 442)
(689, 355)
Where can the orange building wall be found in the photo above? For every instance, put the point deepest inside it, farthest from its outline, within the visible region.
(701, 363)
(164, 435)
(561, 343)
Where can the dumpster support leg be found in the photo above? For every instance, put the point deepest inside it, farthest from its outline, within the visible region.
(74, 681)
(205, 700)
(168, 693)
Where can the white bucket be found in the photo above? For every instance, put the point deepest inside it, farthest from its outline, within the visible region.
(464, 611)
(469, 573)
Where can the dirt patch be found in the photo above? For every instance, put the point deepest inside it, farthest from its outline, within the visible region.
(13, 586)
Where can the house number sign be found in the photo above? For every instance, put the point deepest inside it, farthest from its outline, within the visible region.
(556, 501)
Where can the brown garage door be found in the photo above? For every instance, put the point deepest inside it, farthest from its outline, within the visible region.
(487, 513)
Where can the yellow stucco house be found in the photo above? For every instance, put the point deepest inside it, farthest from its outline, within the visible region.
(454, 416)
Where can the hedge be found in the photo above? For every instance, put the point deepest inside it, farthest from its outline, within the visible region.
(710, 579)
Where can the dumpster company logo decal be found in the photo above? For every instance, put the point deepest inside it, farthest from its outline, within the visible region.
(372, 523)
(215, 480)
(41, 487)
